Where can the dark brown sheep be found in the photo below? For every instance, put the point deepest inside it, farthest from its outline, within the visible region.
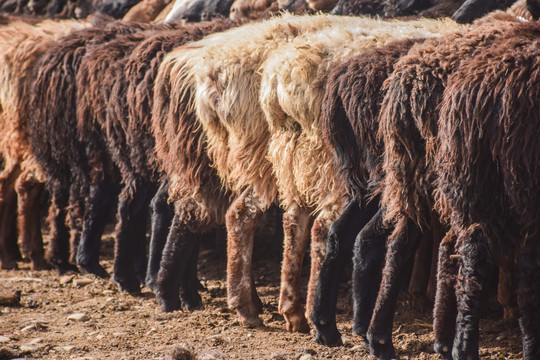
(488, 167)
(54, 141)
(351, 106)
(409, 127)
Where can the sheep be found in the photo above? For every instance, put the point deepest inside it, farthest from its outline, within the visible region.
(487, 166)
(145, 11)
(350, 109)
(21, 179)
(263, 9)
(199, 10)
(116, 8)
(141, 69)
(408, 128)
(55, 144)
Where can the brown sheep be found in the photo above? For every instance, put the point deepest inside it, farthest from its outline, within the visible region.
(21, 46)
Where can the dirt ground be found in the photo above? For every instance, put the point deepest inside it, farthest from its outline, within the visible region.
(120, 326)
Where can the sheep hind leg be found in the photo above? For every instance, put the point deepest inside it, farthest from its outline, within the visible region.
(506, 292)
(58, 250)
(445, 307)
(368, 260)
(189, 294)
(474, 253)
(29, 220)
(241, 220)
(401, 247)
(296, 225)
(99, 203)
(175, 259)
(529, 295)
(339, 248)
(129, 252)
(9, 250)
(162, 215)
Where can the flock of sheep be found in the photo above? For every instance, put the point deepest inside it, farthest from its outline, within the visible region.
(406, 143)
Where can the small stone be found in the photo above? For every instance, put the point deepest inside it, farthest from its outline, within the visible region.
(27, 348)
(345, 340)
(4, 339)
(66, 279)
(249, 335)
(212, 355)
(305, 357)
(81, 282)
(100, 337)
(93, 333)
(356, 348)
(28, 328)
(79, 317)
(68, 347)
(35, 341)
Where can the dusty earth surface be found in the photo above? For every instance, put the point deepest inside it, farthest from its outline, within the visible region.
(116, 325)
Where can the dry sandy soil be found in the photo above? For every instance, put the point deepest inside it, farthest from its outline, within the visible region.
(121, 326)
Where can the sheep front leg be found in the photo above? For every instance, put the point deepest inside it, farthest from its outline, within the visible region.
(29, 220)
(339, 248)
(296, 224)
(368, 260)
(401, 247)
(444, 310)
(473, 250)
(241, 220)
(58, 249)
(162, 215)
(529, 296)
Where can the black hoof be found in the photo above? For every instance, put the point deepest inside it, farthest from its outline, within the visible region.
(443, 348)
(380, 345)
(191, 302)
(328, 335)
(169, 304)
(95, 269)
(151, 283)
(128, 284)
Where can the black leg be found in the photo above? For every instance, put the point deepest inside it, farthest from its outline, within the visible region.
(401, 247)
(162, 215)
(99, 203)
(473, 249)
(529, 297)
(130, 251)
(176, 255)
(189, 292)
(339, 249)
